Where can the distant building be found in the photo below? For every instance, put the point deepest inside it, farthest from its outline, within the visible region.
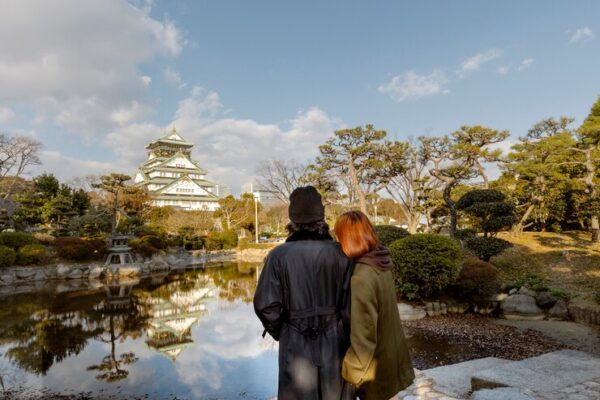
(174, 179)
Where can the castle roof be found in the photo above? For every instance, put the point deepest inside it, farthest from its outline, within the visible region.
(170, 138)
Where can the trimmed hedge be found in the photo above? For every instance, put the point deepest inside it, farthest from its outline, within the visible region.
(477, 280)
(147, 245)
(424, 264)
(7, 256)
(388, 234)
(78, 249)
(486, 247)
(31, 254)
(14, 240)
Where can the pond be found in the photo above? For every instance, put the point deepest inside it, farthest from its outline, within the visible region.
(185, 335)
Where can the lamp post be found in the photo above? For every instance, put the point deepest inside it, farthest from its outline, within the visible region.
(256, 196)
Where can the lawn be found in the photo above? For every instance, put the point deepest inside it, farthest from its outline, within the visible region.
(566, 262)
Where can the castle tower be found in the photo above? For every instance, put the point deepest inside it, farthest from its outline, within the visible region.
(174, 179)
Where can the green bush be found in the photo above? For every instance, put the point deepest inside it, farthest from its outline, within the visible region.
(78, 249)
(7, 256)
(561, 293)
(147, 245)
(14, 240)
(229, 239)
(31, 254)
(388, 234)
(477, 280)
(465, 234)
(487, 247)
(424, 264)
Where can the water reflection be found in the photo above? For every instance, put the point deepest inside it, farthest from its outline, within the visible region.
(120, 332)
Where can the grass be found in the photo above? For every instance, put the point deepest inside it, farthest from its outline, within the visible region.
(563, 262)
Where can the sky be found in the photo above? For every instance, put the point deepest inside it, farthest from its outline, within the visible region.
(247, 81)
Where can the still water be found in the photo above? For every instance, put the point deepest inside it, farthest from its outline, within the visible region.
(190, 335)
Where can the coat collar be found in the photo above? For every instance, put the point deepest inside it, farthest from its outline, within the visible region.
(307, 235)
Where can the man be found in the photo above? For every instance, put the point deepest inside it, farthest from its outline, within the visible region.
(302, 301)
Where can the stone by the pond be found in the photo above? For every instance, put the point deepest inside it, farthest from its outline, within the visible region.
(545, 299)
(129, 271)
(526, 291)
(521, 306)
(25, 274)
(505, 393)
(97, 272)
(559, 311)
(543, 374)
(410, 313)
(7, 278)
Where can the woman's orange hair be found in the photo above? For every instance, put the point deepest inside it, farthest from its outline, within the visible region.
(355, 234)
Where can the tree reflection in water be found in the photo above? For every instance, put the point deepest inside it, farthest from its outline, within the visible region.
(120, 317)
(42, 329)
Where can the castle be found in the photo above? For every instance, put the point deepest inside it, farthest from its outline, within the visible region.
(174, 179)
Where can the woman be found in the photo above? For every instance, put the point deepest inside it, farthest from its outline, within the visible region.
(301, 299)
(377, 362)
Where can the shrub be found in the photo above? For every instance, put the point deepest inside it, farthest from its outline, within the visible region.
(477, 280)
(465, 234)
(7, 256)
(44, 238)
(31, 254)
(388, 234)
(14, 240)
(561, 293)
(147, 245)
(424, 264)
(229, 239)
(77, 249)
(487, 247)
(489, 208)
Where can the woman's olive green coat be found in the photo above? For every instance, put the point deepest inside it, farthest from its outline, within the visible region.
(377, 362)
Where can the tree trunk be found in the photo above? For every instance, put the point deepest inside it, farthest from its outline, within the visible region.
(413, 224)
(361, 194)
(518, 228)
(452, 206)
(595, 229)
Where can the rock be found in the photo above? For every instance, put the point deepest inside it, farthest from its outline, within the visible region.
(7, 278)
(504, 393)
(500, 296)
(49, 272)
(97, 272)
(62, 270)
(410, 313)
(526, 292)
(129, 271)
(545, 299)
(513, 291)
(25, 274)
(75, 273)
(521, 306)
(559, 311)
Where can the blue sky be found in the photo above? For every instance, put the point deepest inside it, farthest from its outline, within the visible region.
(250, 80)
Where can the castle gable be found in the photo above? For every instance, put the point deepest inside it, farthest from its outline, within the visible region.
(186, 187)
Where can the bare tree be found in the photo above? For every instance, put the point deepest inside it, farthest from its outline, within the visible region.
(16, 154)
(414, 187)
(280, 177)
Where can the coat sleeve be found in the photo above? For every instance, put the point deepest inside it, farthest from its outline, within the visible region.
(358, 366)
(268, 298)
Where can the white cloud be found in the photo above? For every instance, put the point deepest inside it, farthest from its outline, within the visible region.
(504, 69)
(228, 147)
(582, 35)
(474, 63)
(411, 85)
(173, 77)
(84, 59)
(526, 63)
(6, 114)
